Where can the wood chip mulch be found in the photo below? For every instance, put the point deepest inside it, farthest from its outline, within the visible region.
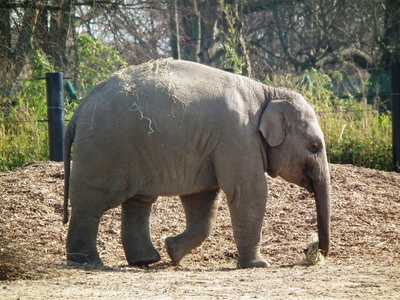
(365, 224)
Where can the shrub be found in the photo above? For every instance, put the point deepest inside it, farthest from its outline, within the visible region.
(96, 62)
(23, 127)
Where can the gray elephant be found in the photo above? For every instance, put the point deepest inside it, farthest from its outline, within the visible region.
(180, 128)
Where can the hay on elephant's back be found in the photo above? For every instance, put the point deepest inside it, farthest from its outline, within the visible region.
(152, 76)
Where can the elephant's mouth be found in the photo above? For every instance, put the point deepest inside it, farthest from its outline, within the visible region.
(300, 178)
(308, 184)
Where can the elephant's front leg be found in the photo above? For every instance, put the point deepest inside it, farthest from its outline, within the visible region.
(200, 211)
(247, 208)
(135, 231)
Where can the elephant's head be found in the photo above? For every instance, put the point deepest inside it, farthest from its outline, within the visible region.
(296, 152)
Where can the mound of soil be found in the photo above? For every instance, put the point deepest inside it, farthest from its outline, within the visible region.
(365, 225)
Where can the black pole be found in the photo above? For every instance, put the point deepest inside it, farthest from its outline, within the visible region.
(55, 114)
(395, 67)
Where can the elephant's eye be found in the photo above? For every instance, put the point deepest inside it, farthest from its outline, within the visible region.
(314, 147)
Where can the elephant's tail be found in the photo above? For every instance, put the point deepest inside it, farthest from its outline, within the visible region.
(69, 139)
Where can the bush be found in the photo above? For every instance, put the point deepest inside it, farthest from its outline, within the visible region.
(96, 62)
(23, 129)
(23, 126)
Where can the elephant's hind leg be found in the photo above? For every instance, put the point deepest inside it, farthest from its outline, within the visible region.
(201, 211)
(82, 236)
(135, 231)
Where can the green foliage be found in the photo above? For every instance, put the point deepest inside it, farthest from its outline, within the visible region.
(23, 127)
(96, 62)
(22, 130)
(355, 132)
(233, 60)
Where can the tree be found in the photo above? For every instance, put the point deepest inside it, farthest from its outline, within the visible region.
(256, 36)
(389, 42)
(25, 27)
(299, 35)
(192, 29)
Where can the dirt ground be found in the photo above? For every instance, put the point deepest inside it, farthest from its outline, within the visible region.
(364, 261)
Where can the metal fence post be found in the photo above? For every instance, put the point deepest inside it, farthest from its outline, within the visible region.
(395, 70)
(55, 114)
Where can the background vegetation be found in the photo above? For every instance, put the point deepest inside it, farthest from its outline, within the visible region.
(336, 53)
(355, 131)
(23, 126)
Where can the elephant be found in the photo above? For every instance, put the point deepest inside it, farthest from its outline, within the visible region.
(173, 127)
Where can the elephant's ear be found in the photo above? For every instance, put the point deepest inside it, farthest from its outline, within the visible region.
(272, 123)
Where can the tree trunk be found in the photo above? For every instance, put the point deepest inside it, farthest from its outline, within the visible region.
(5, 51)
(5, 32)
(174, 27)
(390, 44)
(60, 23)
(24, 46)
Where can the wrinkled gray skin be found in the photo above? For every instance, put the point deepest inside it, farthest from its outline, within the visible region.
(181, 128)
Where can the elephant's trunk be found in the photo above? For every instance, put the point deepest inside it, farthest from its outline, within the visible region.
(322, 191)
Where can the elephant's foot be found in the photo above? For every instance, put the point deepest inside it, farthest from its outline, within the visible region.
(143, 258)
(259, 262)
(200, 211)
(135, 231)
(81, 239)
(175, 250)
(80, 258)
